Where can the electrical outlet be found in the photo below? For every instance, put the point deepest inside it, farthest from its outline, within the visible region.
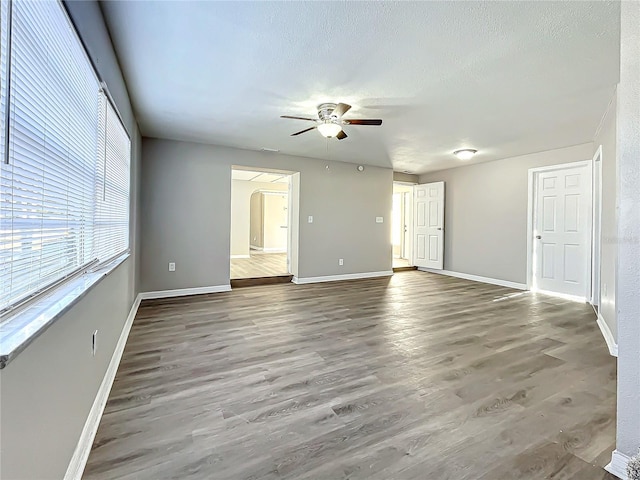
(341, 262)
(379, 219)
(310, 218)
(172, 266)
(94, 343)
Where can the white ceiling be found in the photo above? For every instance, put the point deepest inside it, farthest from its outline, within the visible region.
(506, 78)
(264, 177)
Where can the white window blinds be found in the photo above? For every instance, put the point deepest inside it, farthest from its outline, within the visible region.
(111, 224)
(64, 177)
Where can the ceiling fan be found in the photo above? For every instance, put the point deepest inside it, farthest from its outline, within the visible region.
(330, 122)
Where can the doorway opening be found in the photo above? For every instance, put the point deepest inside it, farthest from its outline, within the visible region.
(262, 214)
(402, 226)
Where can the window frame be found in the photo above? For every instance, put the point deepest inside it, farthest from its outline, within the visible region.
(26, 318)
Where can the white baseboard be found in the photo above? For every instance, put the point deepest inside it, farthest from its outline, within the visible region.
(255, 247)
(181, 292)
(608, 335)
(477, 278)
(83, 448)
(618, 465)
(240, 256)
(346, 276)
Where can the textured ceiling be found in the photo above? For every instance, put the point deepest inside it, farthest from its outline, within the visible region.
(506, 78)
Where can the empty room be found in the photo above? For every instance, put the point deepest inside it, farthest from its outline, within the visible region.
(319, 240)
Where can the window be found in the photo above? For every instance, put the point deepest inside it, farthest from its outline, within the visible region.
(64, 172)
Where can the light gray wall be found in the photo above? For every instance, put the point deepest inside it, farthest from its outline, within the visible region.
(606, 136)
(241, 191)
(186, 213)
(628, 280)
(47, 391)
(486, 212)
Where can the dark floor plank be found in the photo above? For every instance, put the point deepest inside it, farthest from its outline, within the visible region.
(411, 377)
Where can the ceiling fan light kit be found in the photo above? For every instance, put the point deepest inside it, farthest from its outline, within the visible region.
(465, 153)
(329, 129)
(330, 122)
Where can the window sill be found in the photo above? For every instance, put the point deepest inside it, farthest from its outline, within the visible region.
(23, 327)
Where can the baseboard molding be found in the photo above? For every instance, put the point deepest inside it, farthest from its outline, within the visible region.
(618, 465)
(608, 335)
(255, 247)
(240, 256)
(181, 292)
(337, 278)
(477, 278)
(83, 448)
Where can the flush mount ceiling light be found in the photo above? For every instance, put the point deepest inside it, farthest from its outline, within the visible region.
(465, 153)
(329, 129)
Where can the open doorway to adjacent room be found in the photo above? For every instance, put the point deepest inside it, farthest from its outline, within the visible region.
(401, 225)
(261, 215)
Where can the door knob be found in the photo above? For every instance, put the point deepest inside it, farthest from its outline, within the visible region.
(538, 237)
(439, 228)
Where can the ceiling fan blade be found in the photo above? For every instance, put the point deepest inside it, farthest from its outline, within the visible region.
(299, 118)
(302, 131)
(340, 110)
(363, 121)
(341, 135)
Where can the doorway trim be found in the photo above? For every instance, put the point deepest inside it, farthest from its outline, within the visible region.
(293, 209)
(408, 247)
(596, 227)
(531, 202)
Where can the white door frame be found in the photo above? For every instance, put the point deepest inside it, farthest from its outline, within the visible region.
(409, 248)
(293, 205)
(596, 245)
(293, 237)
(440, 230)
(408, 236)
(531, 193)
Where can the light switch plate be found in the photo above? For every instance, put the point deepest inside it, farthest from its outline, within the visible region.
(172, 266)
(379, 219)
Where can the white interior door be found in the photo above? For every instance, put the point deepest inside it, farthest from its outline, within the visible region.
(275, 219)
(428, 225)
(562, 231)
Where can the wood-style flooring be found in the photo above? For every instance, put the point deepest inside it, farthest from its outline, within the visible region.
(259, 265)
(416, 376)
(400, 262)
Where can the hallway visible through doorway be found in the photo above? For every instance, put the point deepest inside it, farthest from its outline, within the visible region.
(401, 225)
(260, 218)
(259, 264)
